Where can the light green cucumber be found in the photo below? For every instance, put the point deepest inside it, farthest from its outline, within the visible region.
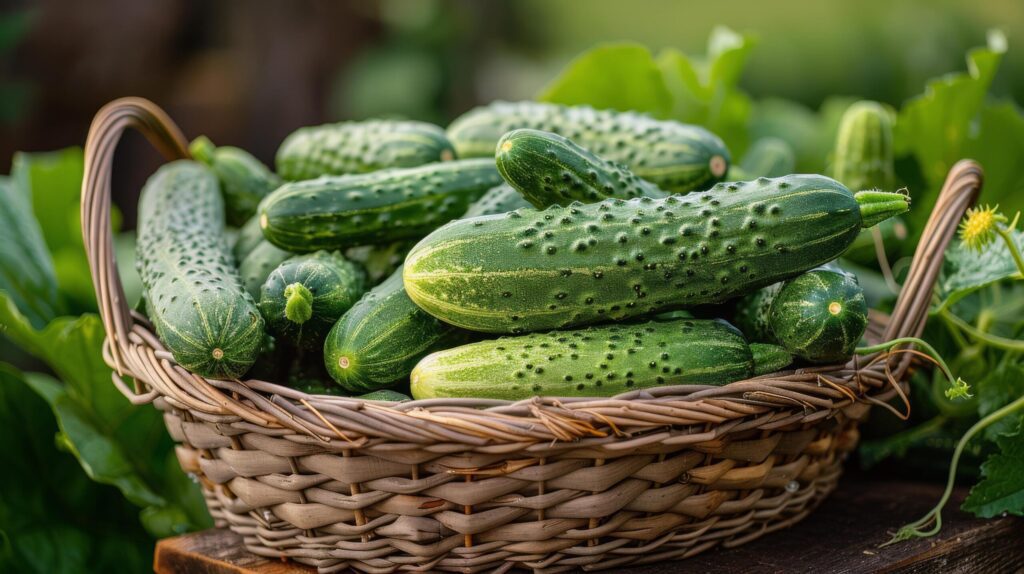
(244, 180)
(193, 292)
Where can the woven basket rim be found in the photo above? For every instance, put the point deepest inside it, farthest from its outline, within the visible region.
(779, 399)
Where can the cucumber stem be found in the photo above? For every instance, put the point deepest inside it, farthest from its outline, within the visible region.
(877, 206)
(299, 306)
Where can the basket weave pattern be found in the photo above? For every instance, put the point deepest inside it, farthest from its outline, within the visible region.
(482, 485)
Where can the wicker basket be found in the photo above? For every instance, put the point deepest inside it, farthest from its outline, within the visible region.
(482, 485)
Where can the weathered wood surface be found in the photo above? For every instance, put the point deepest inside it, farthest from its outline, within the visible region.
(843, 536)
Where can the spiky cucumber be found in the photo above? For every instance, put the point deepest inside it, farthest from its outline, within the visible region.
(360, 147)
(819, 316)
(258, 265)
(499, 199)
(338, 212)
(244, 180)
(380, 339)
(194, 295)
(548, 169)
(593, 361)
(532, 270)
(674, 156)
(304, 296)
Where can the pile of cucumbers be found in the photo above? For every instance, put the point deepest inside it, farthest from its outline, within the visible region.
(529, 249)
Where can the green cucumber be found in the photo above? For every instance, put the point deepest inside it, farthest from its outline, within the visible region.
(249, 237)
(674, 156)
(593, 361)
(360, 147)
(244, 180)
(768, 157)
(548, 169)
(304, 296)
(193, 292)
(499, 199)
(380, 339)
(338, 212)
(819, 316)
(532, 270)
(258, 265)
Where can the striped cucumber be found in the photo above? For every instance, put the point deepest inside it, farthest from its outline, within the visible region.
(380, 339)
(258, 265)
(499, 199)
(304, 296)
(768, 157)
(548, 169)
(674, 156)
(244, 180)
(194, 295)
(360, 147)
(338, 212)
(819, 316)
(593, 361)
(533, 270)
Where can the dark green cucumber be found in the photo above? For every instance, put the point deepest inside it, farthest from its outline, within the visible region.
(676, 157)
(499, 199)
(258, 265)
(244, 180)
(533, 270)
(304, 296)
(338, 212)
(380, 339)
(768, 157)
(194, 295)
(819, 316)
(548, 169)
(593, 361)
(360, 147)
(380, 261)
(249, 237)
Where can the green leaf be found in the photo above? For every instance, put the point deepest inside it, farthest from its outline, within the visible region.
(612, 76)
(999, 388)
(1002, 486)
(997, 146)
(26, 269)
(964, 270)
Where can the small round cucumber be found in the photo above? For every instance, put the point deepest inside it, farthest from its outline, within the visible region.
(304, 296)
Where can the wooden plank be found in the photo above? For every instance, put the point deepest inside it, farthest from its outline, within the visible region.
(843, 536)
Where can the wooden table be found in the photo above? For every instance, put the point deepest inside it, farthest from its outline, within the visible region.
(842, 536)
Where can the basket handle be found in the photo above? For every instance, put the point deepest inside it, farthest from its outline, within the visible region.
(105, 132)
(959, 193)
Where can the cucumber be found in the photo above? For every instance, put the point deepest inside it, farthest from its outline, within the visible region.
(768, 157)
(819, 316)
(193, 292)
(863, 156)
(258, 265)
(676, 157)
(304, 296)
(593, 361)
(548, 169)
(533, 270)
(360, 147)
(244, 180)
(338, 212)
(249, 237)
(499, 199)
(380, 261)
(380, 339)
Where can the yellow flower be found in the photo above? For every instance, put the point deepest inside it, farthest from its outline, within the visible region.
(978, 228)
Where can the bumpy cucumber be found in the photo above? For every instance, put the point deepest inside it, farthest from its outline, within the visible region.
(304, 296)
(380, 339)
(593, 361)
(548, 169)
(193, 292)
(347, 211)
(244, 180)
(258, 265)
(249, 237)
(863, 157)
(532, 270)
(676, 157)
(768, 157)
(499, 199)
(819, 316)
(360, 147)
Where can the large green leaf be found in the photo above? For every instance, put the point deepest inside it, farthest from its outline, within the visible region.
(26, 269)
(965, 270)
(997, 147)
(1002, 488)
(612, 76)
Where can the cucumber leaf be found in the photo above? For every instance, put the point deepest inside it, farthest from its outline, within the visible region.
(612, 76)
(964, 270)
(26, 269)
(1002, 486)
(996, 390)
